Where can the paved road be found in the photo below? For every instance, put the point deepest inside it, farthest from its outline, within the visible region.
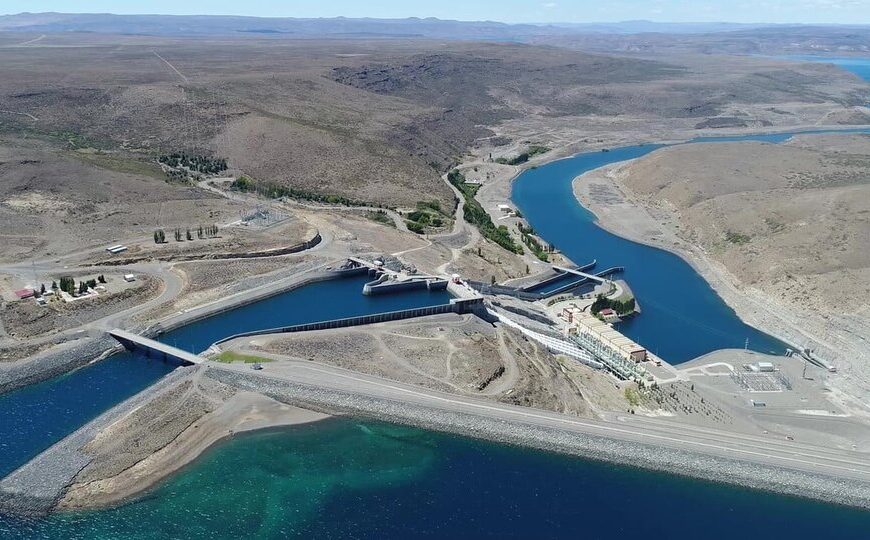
(835, 463)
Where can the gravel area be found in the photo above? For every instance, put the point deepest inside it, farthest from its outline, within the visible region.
(769, 478)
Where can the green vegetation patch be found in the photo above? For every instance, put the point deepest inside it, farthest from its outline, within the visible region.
(621, 307)
(228, 357)
(201, 164)
(427, 214)
(632, 396)
(528, 236)
(275, 191)
(737, 238)
(380, 216)
(533, 150)
(475, 214)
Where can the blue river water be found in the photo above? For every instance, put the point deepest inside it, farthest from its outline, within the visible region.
(344, 478)
(682, 316)
(37, 416)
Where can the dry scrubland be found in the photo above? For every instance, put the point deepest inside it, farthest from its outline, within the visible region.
(458, 354)
(84, 116)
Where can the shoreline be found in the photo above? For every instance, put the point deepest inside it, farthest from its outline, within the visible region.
(246, 412)
(92, 347)
(631, 220)
(708, 467)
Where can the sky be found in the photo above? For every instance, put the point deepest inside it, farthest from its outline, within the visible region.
(511, 11)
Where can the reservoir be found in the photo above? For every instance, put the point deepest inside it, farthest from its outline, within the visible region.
(37, 416)
(343, 478)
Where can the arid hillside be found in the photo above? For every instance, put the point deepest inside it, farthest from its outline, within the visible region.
(84, 118)
(792, 219)
(375, 120)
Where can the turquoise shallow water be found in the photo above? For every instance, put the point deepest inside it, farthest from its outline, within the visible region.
(348, 479)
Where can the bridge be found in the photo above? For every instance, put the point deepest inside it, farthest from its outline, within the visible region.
(154, 349)
(580, 273)
(531, 296)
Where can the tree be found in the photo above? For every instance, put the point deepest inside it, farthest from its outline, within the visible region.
(178, 235)
(42, 290)
(92, 283)
(83, 287)
(67, 285)
(189, 236)
(54, 285)
(101, 278)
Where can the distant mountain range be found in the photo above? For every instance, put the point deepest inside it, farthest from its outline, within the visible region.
(199, 25)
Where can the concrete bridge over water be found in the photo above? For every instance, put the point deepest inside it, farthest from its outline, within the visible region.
(154, 349)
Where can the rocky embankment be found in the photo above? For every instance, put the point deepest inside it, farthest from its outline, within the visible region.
(718, 469)
(53, 362)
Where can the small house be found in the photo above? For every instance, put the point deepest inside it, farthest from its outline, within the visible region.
(25, 293)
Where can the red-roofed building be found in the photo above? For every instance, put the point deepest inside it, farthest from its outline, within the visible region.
(609, 315)
(25, 293)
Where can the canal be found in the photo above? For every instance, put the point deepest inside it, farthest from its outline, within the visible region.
(37, 416)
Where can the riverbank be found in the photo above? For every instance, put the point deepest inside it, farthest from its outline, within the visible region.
(754, 309)
(619, 212)
(245, 411)
(141, 441)
(95, 346)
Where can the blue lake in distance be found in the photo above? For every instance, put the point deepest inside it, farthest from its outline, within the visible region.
(857, 65)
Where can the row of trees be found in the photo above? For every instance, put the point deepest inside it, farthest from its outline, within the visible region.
(68, 285)
(246, 184)
(528, 236)
(204, 231)
(475, 214)
(202, 164)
